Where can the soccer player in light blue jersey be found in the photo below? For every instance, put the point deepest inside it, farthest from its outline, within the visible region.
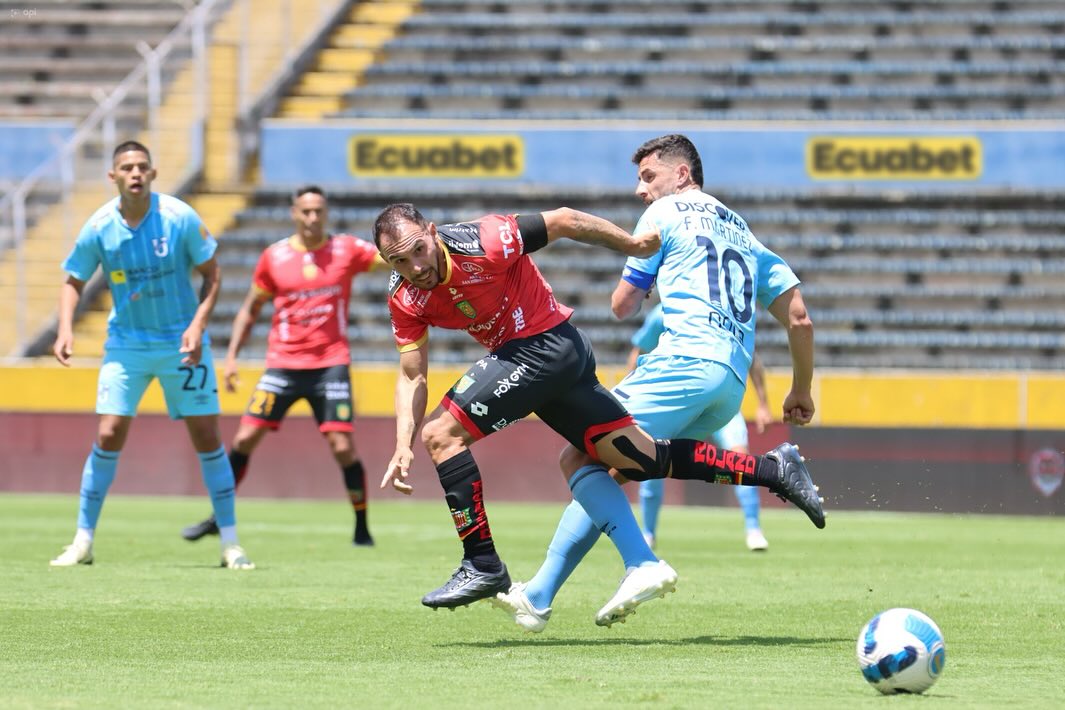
(710, 273)
(148, 244)
(731, 436)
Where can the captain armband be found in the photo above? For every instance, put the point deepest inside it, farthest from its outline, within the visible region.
(533, 231)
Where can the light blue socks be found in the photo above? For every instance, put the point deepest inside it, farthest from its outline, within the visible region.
(651, 494)
(599, 505)
(574, 537)
(218, 478)
(96, 478)
(748, 500)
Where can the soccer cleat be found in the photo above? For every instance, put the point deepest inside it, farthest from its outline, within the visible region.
(525, 615)
(795, 484)
(756, 541)
(467, 585)
(205, 527)
(233, 557)
(76, 553)
(640, 584)
(362, 537)
(649, 538)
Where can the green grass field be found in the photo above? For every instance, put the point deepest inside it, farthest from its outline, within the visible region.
(154, 623)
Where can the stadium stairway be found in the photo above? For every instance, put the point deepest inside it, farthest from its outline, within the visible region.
(221, 193)
(351, 49)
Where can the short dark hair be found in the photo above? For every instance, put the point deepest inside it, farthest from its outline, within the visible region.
(673, 145)
(304, 189)
(387, 223)
(126, 146)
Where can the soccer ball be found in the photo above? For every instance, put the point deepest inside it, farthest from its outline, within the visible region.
(901, 651)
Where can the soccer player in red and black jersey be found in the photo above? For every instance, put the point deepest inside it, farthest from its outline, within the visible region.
(308, 276)
(477, 276)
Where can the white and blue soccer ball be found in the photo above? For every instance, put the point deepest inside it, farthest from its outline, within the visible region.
(901, 651)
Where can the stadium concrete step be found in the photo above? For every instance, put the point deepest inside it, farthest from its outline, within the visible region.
(217, 210)
(349, 52)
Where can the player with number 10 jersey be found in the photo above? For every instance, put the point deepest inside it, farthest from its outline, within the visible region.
(708, 311)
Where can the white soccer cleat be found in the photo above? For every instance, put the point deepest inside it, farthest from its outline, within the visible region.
(78, 552)
(640, 584)
(525, 615)
(233, 557)
(649, 538)
(756, 541)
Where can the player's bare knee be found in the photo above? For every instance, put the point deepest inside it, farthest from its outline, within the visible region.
(440, 435)
(571, 459)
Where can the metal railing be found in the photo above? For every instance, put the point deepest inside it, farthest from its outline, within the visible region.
(85, 157)
(133, 107)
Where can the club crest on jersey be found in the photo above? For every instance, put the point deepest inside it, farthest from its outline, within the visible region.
(466, 309)
(118, 276)
(161, 246)
(343, 412)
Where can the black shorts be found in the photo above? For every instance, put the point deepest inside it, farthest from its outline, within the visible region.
(326, 389)
(552, 375)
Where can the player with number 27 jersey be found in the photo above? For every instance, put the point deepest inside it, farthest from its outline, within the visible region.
(709, 272)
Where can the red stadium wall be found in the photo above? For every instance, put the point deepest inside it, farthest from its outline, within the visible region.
(45, 452)
(934, 470)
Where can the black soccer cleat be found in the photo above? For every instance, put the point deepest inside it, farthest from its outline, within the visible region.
(205, 527)
(467, 585)
(362, 538)
(795, 484)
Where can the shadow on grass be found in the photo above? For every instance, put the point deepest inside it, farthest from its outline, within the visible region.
(692, 641)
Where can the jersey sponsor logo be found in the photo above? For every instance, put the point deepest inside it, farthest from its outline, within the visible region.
(506, 238)
(415, 298)
(894, 158)
(466, 309)
(436, 155)
(471, 268)
(501, 424)
(464, 238)
(479, 408)
(519, 319)
(118, 276)
(511, 381)
(481, 327)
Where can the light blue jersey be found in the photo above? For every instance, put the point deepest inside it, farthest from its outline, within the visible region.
(710, 273)
(148, 270)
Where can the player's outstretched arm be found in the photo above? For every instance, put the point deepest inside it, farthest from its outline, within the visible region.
(69, 296)
(566, 223)
(412, 395)
(790, 311)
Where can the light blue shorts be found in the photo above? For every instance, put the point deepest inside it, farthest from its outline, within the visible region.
(733, 435)
(674, 397)
(190, 390)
